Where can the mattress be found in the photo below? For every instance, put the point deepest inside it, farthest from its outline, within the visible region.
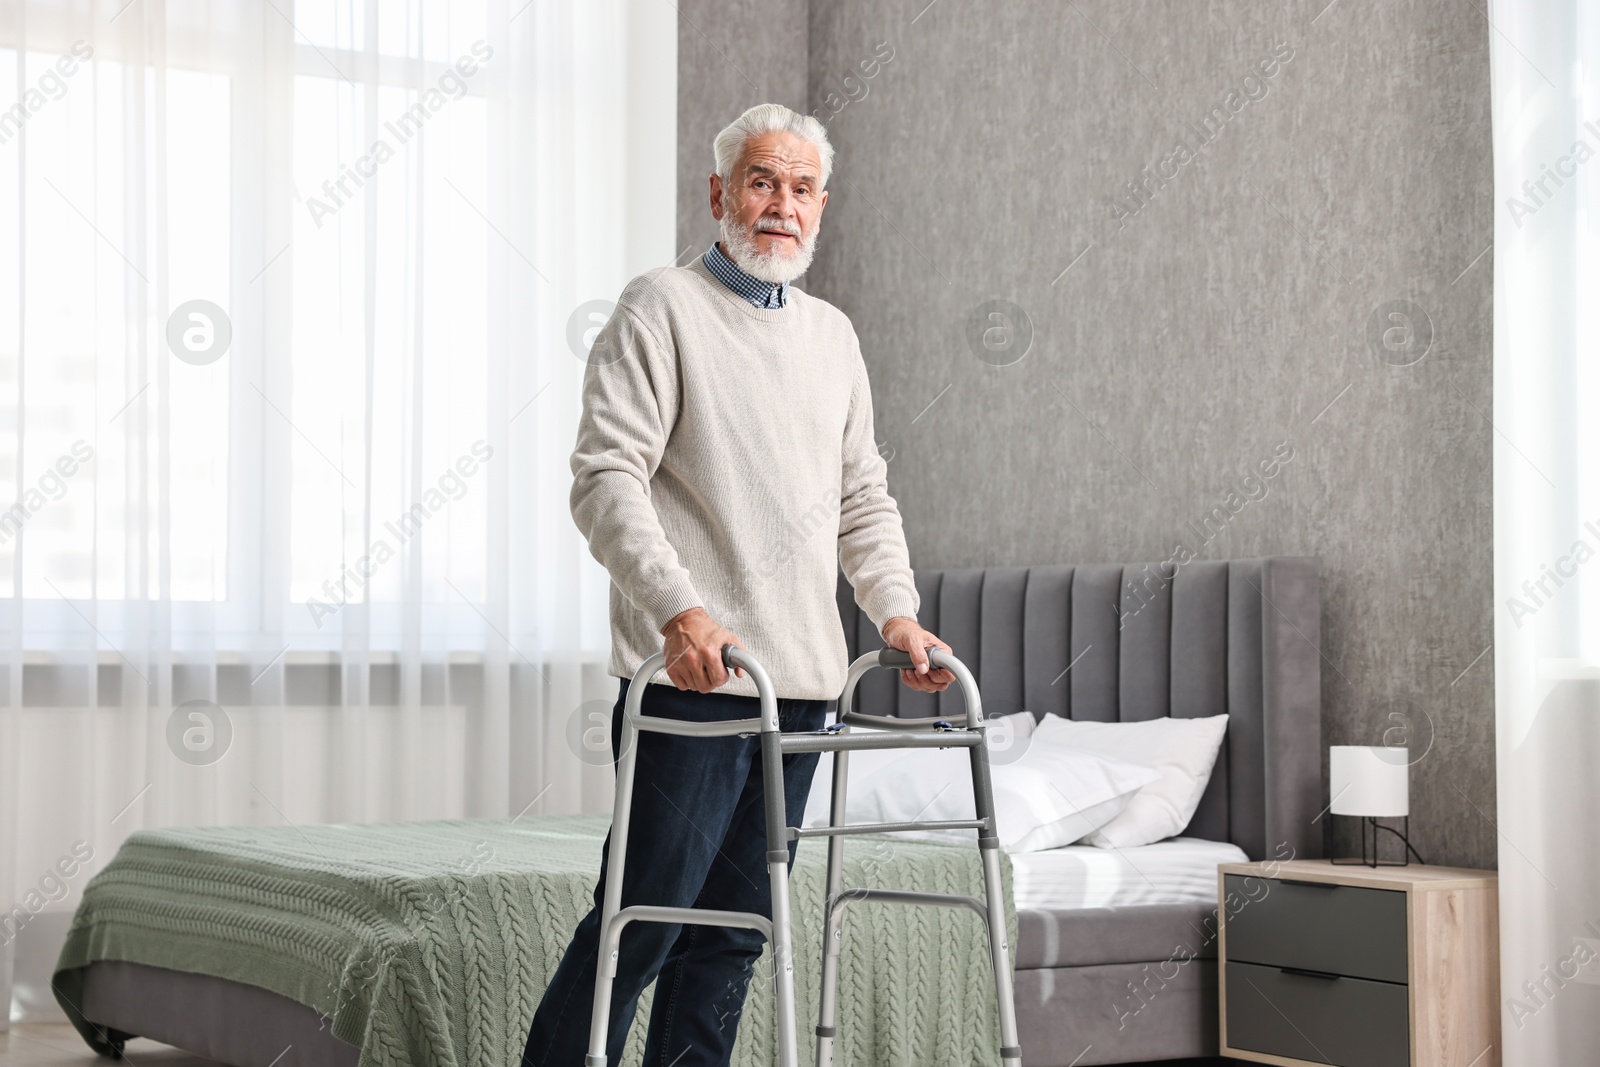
(1179, 870)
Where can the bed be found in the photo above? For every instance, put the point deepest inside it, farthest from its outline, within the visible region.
(402, 944)
(408, 944)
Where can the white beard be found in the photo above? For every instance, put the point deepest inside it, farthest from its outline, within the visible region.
(775, 267)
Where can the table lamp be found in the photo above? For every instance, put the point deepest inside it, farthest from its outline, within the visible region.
(1372, 782)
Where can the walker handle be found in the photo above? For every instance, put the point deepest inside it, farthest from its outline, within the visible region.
(894, 658)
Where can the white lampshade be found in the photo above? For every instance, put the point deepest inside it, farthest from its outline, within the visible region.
(1369, 780)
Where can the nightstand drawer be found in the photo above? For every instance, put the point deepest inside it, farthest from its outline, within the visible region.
(1349, 1022)
(1338, 929)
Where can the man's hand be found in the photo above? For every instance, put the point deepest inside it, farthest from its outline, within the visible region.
(906, 634)
(694, 651)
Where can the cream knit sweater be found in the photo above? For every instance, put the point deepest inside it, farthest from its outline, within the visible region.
(725, 459)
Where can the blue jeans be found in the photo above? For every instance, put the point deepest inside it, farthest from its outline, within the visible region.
(696, 838)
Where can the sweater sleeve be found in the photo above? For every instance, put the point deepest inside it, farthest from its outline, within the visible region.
(872, 544)
(630, 405)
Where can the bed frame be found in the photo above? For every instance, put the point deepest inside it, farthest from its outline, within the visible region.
(1117, 642)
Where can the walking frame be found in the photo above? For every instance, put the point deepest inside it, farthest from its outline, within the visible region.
(963, 731)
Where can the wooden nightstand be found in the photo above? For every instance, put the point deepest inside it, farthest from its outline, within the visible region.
(1359, 967)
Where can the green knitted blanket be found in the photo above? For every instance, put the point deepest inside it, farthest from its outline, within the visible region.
(429, 944)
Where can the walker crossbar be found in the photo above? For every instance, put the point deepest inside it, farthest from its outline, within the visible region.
(903, 896)
(723, 728)
(887, 827)
(612, 935)
(850, 742)
(961, 731)
(883, 722)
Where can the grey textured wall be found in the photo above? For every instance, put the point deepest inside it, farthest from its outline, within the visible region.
(732, 54)
(1154, 349)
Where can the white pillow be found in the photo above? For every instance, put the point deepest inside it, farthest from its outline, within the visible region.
(1183, 750)
(1067, 793)
(1050, 796)
(1007, 737)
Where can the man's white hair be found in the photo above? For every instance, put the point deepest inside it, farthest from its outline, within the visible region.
(770, 118)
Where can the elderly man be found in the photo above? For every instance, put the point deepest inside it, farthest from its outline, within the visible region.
(725, 470)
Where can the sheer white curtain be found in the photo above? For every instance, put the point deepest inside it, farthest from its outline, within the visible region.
(293, 297)
(1546, 113)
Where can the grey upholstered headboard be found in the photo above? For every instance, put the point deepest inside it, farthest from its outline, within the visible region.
(1237, 636)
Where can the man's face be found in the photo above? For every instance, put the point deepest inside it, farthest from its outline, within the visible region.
(771, 208)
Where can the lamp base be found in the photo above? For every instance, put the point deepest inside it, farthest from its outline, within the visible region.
(1373, 859)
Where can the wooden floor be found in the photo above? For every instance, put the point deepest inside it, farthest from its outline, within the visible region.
(58, 1045)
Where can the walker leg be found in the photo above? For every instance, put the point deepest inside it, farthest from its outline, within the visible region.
(994, 900)
(783, 964)
(994, 896)
(778, 873)
(833, 916)
(605, 966)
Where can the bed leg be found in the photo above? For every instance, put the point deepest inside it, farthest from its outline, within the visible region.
(115, 1041)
